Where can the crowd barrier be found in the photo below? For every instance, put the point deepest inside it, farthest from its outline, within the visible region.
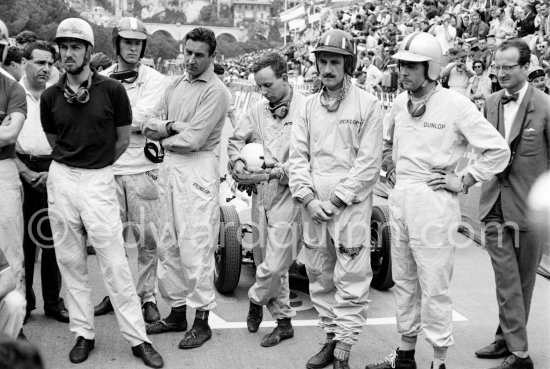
(246, 94)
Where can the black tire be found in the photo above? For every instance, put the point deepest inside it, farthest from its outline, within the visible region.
(229, 252)
(380, 258)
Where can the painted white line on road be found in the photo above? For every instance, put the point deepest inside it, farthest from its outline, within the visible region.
(216, 322)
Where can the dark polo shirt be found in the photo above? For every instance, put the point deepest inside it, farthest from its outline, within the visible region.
(12, 100)
(86, 133)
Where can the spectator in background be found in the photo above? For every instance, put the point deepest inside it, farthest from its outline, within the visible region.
(479, 85)
(457, 72)
(374, 75)
(479, 28)
(24, 38)
(445, 33)
(537, 79)
(360, 78)
(19, 355)
(100, 62)
(12, 63)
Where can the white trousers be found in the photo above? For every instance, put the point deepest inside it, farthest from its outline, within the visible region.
(277, 229)
(338, 265)
(11, 221)
(423, 223)
(83, 204)
(12, 313)
(138, 196)
(189, 224)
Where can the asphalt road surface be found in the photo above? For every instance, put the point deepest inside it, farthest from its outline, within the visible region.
(232, 346)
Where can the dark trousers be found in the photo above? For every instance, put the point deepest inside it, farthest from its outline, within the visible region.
(38, 233)
(515, 259)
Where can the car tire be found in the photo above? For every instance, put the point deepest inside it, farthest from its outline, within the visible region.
(381, 248)
(229, 252)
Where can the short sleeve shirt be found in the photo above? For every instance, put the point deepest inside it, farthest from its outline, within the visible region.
(12, 100)
(86, 133)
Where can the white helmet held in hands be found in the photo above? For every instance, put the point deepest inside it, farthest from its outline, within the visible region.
(253, 155)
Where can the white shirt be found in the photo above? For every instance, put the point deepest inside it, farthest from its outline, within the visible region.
(144, 95)
(511, 109)
(32, 139)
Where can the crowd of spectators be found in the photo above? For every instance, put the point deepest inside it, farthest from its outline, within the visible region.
(468, 31)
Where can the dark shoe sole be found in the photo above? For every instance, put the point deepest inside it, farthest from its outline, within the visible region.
(167, 330)
(313, 366)
(493, 356)
(186, 347)
(275, 344)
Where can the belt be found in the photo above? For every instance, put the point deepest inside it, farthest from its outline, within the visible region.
(35, 157)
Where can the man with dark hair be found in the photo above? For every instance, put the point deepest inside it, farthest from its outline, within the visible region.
(276, 215)
(87, 118)
(33, 162)
(12, 63)
(479, 28)
(24, 38)
(335, 155)
(521, 113)
(191, 116)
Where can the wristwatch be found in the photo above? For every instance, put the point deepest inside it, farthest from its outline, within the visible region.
(169, 126)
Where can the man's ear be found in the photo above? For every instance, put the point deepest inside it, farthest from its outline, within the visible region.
(285, 78)
(213, 55)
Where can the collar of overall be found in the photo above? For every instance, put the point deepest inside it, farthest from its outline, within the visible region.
(332, 104)
(126, 76)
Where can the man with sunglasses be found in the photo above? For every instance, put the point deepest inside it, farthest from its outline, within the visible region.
(276, 214)
(135, 173)
(429, 131)
(335, 154)
(521, 113)
(87, 119)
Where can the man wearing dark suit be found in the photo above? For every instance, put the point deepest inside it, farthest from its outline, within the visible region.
(479, 28)
(522, 113)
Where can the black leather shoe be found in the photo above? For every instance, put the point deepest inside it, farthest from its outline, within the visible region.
(282, 332)
(442, 366)
(514, 362)
(149, 355)
(90, 250)
(150, 312)
(197, 336)
(103, 307)
(254, 318)
(323, 357)
(397, 359)
(340, 364)
(61, 315)
(493, 351)
(162, 326)
(81, 350)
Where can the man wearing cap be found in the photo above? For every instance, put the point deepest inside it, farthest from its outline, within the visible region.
(13, 110)
(81, 188)
(135, 173)
(430, 128)
(335, 154)
(537, 79)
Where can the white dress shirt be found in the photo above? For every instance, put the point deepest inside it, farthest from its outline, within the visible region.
(511, 110)
(32, 139)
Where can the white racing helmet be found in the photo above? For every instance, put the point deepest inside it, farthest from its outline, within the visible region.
(253, 154)
(75, 28)
(422, 47)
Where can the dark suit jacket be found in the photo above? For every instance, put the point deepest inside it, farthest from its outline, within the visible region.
(527, 26)
(479, 30)
(532, 155)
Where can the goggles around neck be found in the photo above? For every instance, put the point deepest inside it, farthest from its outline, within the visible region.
(81, 96)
